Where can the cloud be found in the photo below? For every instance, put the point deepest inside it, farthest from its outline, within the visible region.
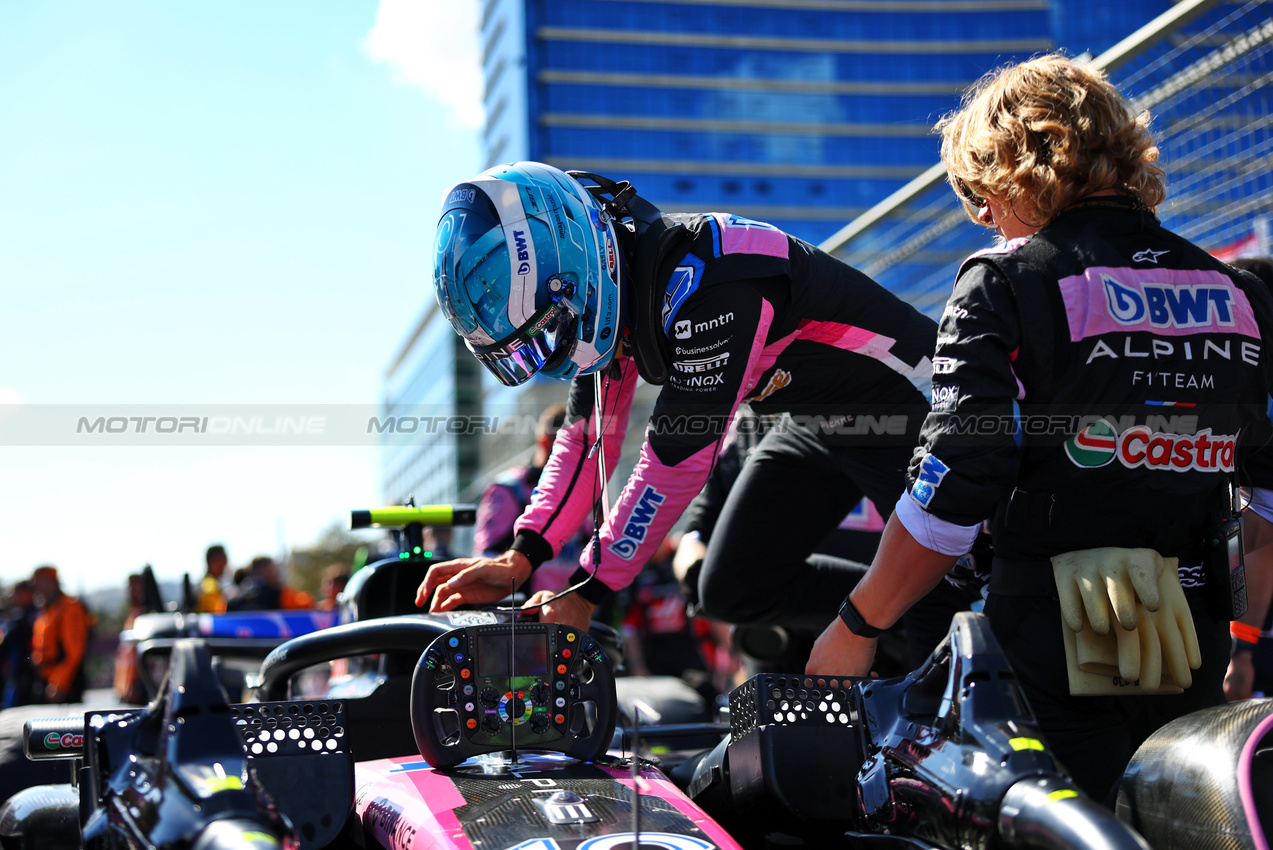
(434, 45)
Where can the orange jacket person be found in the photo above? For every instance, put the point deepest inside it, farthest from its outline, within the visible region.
(59, 640)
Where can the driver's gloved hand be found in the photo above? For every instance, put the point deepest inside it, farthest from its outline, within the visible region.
(1140, 590)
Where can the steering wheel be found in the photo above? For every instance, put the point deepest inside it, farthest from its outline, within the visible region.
(504, 686)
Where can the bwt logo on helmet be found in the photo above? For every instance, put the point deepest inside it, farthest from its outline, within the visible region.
(638, 524)
(64, 740)
(1162, 305)
(1100, 443)
(462, 195)
(523, 252)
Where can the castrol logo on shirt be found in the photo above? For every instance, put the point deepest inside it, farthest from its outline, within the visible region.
(1099, 444)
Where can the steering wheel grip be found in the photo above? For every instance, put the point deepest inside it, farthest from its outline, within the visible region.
(596, 686)
(463, 705)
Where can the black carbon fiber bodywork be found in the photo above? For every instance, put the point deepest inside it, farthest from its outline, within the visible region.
(1204, 781)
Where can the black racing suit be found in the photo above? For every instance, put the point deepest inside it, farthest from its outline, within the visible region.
(748, 313)
(1090, 387)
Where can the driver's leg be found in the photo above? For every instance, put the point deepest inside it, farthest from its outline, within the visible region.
(758, 569)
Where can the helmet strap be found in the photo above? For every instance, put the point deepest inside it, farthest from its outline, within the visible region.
(657, 237)
(619, 199)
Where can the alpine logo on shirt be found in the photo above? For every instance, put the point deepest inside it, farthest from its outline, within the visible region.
(1099, 444)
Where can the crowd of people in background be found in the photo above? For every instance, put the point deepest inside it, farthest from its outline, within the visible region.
(46, 635)
(46, 639)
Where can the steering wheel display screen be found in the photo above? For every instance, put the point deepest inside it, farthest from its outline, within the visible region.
(525, 655)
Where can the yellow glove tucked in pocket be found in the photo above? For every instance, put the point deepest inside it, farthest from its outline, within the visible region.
(1152, 629)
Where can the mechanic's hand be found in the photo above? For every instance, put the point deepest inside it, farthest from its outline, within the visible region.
(569, 610)
(839, 652)
(1240, 677)
(472, 581)
(1101, 581)
(54, 696)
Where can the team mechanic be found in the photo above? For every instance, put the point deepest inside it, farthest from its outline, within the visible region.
(1127, 362)
(542, 275)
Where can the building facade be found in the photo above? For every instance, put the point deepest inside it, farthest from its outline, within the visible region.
(801, 113)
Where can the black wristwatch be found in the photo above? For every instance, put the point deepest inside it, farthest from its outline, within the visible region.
(852, 618)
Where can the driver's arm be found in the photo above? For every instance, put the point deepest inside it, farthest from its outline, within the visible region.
(903, 571)
(568, 488)
(712, 369)
(565, 494)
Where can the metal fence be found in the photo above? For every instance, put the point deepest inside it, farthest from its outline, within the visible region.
(1203, 71)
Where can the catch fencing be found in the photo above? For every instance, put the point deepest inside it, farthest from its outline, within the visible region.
(1203, 72)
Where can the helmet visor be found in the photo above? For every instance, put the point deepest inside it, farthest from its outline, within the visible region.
(547, 337)
(470, 270)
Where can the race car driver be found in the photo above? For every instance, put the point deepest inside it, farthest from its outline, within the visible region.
(573, 275)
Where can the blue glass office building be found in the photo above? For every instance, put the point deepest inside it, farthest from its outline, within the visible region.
(802, 113)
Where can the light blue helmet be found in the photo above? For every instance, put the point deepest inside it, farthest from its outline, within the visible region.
(526, 268)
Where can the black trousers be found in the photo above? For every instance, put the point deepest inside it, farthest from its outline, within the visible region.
(776, 555)
(1094, 737)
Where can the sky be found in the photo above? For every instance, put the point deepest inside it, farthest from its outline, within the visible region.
(211, 211)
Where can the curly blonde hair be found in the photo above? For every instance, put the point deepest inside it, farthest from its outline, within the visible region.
(1043, 134)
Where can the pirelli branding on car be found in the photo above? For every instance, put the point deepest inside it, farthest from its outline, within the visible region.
(1099, 444)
